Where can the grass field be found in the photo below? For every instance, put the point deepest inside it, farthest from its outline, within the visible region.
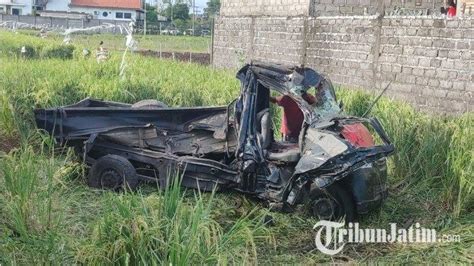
(49, 216)
(165, 43)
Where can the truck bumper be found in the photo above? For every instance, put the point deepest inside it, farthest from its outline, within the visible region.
(369, 185)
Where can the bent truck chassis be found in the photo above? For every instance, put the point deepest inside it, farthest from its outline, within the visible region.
(335, 165)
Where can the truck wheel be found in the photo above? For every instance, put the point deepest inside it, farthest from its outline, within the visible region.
(113, 172)
(331, 203)
(149, 104)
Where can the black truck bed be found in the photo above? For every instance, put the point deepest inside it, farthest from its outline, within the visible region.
(89, 116)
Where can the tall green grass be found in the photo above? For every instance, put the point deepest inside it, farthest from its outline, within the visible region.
(48, 215)
(428, 148)
(167, 229)
(117, 41)
(432, 152)
(30, 213)
(7, 118)
(25, 47)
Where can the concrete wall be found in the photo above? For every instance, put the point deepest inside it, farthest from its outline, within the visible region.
(264, 7)
(343, 7)
(238, 40)
(58, 5)
(370, 7)
(324, 7)
(429, 60)
(343, 48)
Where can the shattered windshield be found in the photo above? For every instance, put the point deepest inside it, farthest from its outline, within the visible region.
(326, 104)
(315, 94)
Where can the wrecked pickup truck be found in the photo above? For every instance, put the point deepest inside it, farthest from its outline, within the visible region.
(335, 170)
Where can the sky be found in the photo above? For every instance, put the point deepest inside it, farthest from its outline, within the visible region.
(201, 3)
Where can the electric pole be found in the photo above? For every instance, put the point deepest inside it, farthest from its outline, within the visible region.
(194, 16)
(144, 22)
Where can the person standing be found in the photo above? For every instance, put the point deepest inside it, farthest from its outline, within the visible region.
(293, 117)
(451, 10)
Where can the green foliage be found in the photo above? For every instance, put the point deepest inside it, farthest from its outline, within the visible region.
(29, 212)
(176, 11)
(432, 152)
(151, 14)
(7, 118)
(20, 46)
(60, 52)
(181, 24)
(213, 8)
(168, 229)
(49, 216)
(166, 43)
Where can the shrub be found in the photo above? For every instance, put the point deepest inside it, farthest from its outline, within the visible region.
(58, 51)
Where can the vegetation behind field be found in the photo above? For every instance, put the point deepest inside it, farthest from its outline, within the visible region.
(49, 215)
(91, 41)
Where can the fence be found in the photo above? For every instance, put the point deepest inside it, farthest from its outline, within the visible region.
(182, 48)
(63, 23)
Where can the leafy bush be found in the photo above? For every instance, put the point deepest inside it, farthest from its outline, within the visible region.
(29, 47)
(60, 52)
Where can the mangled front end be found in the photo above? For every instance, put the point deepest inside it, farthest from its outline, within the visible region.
(343, 150)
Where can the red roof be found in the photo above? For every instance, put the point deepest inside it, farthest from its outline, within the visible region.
(125, 4)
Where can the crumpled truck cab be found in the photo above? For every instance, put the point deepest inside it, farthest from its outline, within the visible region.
(335, 169)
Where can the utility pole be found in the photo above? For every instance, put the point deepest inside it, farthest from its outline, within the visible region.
(144, 21)
(194, 16)
(171, 10)
(459, 10)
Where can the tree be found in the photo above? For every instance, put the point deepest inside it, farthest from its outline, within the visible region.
(181, 25)
(151, 14)
(181, 11)
(212, 9)
(176, 11)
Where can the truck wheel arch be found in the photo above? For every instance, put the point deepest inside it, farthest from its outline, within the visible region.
(113, 172)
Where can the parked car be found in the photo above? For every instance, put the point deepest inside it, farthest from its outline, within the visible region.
(170, 32)
(189, 32)
(336, 168)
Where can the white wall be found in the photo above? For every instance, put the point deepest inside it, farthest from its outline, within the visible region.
(110, 12)
(25, 6)
(58, 5)
(63, 5)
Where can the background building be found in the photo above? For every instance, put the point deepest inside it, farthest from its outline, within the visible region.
(16, 7)
(109, 9)
(97, 9)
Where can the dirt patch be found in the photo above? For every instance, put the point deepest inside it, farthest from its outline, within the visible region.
(200, 58)
(8, 143)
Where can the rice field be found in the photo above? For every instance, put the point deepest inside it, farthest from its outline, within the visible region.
(164, 43)
(49, 216)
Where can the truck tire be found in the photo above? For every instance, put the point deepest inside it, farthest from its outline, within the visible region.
(331, 203)
(114, 173)
(149, 104)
